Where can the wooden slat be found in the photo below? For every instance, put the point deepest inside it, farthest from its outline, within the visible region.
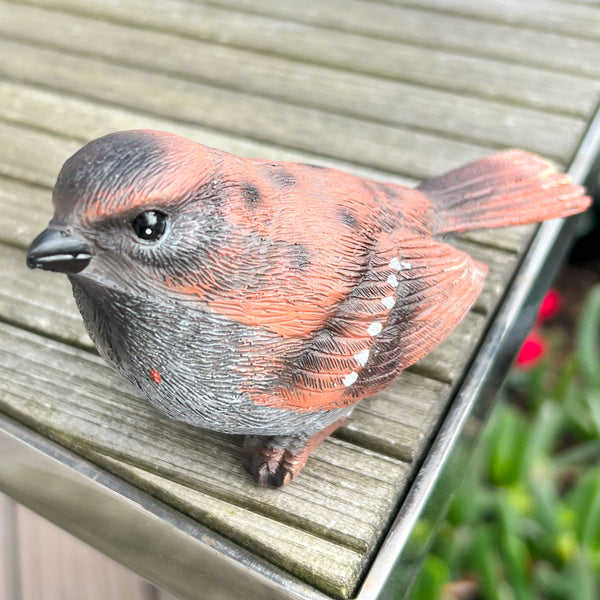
(477, 75)
(327, 28)
(304, 554)
(38, 301)
(72, 117)
(89, 408)
(372, 144)
(359, 96)
(399, 421)
(505, 238)
(31, 155)
(546, 15)
(56, 566)
(378, 18)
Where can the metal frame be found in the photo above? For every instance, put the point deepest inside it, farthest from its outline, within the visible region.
(191, 561)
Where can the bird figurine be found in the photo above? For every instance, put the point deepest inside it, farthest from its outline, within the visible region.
(265, 298)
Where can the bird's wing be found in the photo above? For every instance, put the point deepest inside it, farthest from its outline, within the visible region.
(410, 298)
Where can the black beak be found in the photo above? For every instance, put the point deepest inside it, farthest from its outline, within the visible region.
(57, 250)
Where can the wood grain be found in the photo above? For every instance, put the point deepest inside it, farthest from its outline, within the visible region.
(347, 138)
(69, 116)
(546, 15)
(262, 77)
(380, 18)
(387, 29)
(217, 35)
(308, 556)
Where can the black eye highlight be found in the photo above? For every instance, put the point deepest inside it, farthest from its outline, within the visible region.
(150, 225)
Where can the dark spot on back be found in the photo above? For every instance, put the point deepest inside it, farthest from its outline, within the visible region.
(348, 219)
(282, 178)
(316, 167)
(300, 257)
(251, 195)
(390, 190)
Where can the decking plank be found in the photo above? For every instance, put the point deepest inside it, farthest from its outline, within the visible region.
(219, 58)
(307, 556)
(546, 15)
(367, 143)
(238, 73)
(379, 18)
(399, 421)
(66, 115)
(333, 34)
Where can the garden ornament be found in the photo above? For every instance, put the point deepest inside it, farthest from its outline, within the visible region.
(265, 298)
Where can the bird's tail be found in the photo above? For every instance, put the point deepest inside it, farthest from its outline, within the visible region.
(509, 188)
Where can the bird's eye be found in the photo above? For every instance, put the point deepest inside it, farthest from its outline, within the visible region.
(150, 225)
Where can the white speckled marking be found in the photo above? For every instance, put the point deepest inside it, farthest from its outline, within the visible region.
(405, 265)
(395, 264)
(393, 280)
(388, 302)
(374, 328)
(362, 357)
(350, 378)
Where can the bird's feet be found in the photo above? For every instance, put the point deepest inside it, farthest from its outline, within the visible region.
(273, 461)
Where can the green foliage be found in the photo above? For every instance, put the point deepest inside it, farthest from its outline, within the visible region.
(525, 524)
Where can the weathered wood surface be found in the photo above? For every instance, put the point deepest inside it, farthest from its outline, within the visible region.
(389, 90)
(323, 33)
(235, 67)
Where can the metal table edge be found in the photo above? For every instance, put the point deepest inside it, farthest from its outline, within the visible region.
(127, 524)
(412, 532)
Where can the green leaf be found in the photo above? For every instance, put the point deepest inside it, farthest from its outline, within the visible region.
(433, 576)
(582, 582)
(506, 448)
(540, 439)
(592, 399)
(513, 550)
(486, 560)
(584, 500)
(587, 337)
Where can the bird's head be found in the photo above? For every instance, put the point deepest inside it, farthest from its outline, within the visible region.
(132, 205)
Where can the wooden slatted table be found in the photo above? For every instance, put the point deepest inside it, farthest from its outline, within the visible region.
(394, 90)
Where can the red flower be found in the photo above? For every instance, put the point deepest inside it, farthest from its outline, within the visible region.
(532, 350)
(535, 344)
(550, 306)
